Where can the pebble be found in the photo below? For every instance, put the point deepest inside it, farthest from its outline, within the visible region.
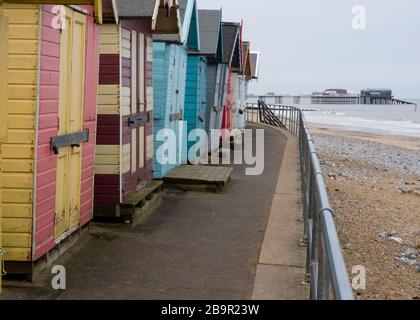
(379, 155)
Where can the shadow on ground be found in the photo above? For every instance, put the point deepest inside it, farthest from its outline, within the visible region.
(194, 246)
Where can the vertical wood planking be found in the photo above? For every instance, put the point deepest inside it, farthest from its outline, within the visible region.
(47, 128)
(90, 115)
(133, 71)
(142, 62)
(141, 147)
(133, 150)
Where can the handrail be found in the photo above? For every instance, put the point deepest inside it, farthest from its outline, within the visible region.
(325, 265)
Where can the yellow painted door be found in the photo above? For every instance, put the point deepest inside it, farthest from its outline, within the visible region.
(4, 50)
(72, 70)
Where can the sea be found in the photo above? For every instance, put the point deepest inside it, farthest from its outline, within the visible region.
(400, 120)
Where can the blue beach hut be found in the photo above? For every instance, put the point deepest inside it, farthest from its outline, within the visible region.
(196, 90)
(170, 53)
(210, 26)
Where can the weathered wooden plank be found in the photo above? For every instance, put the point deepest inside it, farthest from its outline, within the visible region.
(18, 254)
(22, 92)
(107, 169)
(22, 16)
(15, 151)
(17, 196)
(23, 46)
(17, 240)
(21, 122)
(109, 49)
(106, 109)
(109, 90)
(22, 77)
(18, 165)
(23, 62)
(29, 32)
(17, 225)
(142, 194)
(107, 150)
(199, 175)
(108, 100)
(17, 180)
(110, 29)
(17, 210)
(107, 159)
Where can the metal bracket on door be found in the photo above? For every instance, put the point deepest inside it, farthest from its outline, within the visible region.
(136, 121)
(2, 268)
(175, 116)
(69, 140)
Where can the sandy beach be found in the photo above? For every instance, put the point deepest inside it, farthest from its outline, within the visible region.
(374, 187)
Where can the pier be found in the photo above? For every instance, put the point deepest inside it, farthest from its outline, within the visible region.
(337, 99)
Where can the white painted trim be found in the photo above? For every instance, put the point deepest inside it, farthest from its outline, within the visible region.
(115, 9)
(37, 104)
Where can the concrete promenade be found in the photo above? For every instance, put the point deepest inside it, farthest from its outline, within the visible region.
(238, 244)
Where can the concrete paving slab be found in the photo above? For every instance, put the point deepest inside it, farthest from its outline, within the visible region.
(288, 283)
(194, 246)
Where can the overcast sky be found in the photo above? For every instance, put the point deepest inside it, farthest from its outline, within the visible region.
(309, 45)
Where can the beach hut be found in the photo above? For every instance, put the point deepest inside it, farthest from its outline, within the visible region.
(169, 79)
(232, 52)
(196, 89)
(48, 155)
(243, 79)
(124, 145)
(255, 63)
(210, 25)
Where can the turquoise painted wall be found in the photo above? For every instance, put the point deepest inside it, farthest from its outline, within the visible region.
(195, 99)
(169, 81)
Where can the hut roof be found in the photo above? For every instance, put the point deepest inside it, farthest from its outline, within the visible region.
(211, 32)
(186, 13)
(135, 8)
(247, 61)
(232, 45)
(255, 62)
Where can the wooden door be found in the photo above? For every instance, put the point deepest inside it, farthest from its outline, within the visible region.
(217, 100)
(70, 113)
(202, 92)
(137, 122)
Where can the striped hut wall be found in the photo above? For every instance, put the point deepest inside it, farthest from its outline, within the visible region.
(107, 152)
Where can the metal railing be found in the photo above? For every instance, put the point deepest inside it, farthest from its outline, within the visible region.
(325, 267)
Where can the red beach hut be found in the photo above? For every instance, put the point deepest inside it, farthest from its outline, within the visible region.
(232, 46)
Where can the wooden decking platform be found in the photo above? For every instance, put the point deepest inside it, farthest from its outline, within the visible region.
(197, 178)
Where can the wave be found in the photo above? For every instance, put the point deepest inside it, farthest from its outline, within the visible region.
(394, 127)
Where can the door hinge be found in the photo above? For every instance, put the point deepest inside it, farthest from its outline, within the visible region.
(58, 218)
(2, 255)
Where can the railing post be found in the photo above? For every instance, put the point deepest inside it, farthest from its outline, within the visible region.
(323, 271)
(325, 266)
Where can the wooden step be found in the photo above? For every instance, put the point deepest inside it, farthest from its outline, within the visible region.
(143, 194)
